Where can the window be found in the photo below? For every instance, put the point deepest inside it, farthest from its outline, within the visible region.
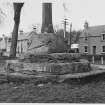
(29, 42)
(103, 48)
(9, 40)
(103, 36)
(86, 38)
(1, 39)
(86, 48)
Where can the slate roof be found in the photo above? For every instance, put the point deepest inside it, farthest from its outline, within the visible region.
(94, 30)
(24, 36)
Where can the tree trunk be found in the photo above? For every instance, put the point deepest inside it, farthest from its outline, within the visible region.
(17, 11)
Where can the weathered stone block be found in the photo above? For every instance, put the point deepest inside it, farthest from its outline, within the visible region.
(53, 68)
(54, 57)
(56, 63)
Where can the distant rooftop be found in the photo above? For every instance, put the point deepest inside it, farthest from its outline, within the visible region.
(94, 30)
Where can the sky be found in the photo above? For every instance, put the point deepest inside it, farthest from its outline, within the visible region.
(78, 11)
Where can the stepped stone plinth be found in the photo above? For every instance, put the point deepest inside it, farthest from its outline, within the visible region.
(56, 63)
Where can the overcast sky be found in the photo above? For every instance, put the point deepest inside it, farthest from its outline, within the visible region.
(78, 11)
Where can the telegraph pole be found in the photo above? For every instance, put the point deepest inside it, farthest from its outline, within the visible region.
(69, 39)
(65, 23)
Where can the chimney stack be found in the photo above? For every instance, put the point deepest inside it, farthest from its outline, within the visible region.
(86, 25)
(47, 25)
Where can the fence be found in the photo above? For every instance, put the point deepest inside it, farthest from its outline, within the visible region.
(95, 59)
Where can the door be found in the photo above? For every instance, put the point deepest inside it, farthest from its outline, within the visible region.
(94, 49)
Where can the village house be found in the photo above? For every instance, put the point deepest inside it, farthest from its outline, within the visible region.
(92, 40)
(5, 43)
(22, 42)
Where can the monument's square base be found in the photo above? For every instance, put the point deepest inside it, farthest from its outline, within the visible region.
(57, 63)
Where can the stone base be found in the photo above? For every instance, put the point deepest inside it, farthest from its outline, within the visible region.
(53, 68)
(51, 58)
(55, 63)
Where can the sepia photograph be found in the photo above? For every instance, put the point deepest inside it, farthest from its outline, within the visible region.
(52, 51)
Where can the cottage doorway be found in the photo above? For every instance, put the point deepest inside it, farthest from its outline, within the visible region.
(94, 49)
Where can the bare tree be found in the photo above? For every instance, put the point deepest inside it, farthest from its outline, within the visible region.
(17, 12)
(2, 15)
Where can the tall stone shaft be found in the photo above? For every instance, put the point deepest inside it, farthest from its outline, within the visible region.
(47, 25)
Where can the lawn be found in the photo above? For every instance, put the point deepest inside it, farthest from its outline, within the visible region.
(93, 92)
